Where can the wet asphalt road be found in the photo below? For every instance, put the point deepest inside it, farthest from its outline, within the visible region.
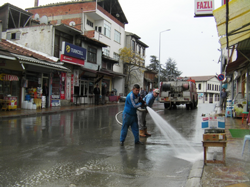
(82, 149)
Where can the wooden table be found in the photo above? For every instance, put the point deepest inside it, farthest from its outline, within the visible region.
(207, 144)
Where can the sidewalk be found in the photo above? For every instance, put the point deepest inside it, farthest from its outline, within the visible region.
(51, 110)
(236, 173)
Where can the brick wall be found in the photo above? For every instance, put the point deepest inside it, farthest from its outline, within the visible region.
(62, 9)
(90, 34)
(70, 8)
(78, 22)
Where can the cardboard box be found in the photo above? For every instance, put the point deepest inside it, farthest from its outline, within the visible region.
(214, 137)
(216, 122)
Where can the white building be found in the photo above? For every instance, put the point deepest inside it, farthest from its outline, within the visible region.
(208, 88)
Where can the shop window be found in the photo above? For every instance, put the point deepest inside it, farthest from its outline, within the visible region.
(92, 54)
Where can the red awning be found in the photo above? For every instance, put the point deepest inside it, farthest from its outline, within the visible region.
(6, 77)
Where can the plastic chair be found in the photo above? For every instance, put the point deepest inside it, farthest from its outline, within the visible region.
(244, 114)
(247, 137)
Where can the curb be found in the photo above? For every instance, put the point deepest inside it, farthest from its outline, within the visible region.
(38, 113)
(194, 178)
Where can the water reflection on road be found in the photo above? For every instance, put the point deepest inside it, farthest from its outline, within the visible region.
(81, 148)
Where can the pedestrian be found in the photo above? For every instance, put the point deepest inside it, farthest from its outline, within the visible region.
(129, 116)
(46, 94)
(97, 94)
(149, 101)
(104, 92)
(223, 95)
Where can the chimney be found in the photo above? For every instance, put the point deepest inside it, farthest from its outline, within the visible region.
(36, 3)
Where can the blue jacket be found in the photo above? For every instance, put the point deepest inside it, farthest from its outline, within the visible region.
(131, 104)
(149, 99)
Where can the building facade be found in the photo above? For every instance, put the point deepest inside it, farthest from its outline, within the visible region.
(101, 21)
(208, 89)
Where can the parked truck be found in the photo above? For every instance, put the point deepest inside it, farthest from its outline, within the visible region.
(178, 92)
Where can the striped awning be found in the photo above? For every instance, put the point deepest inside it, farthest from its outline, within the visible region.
(7, 77)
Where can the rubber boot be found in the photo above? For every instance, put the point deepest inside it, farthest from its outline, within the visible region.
(142, 133)
(146, 133)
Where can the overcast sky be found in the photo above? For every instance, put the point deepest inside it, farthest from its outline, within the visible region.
(192, 42)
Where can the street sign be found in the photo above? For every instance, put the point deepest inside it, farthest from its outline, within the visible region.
(221, 77)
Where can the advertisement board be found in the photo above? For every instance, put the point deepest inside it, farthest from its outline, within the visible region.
(203, 7)
(75, 51)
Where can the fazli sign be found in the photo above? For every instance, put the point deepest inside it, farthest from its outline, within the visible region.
(69, 49)
(203, 7)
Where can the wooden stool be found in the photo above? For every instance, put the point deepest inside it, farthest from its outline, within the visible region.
(207, 144)
(244, 114)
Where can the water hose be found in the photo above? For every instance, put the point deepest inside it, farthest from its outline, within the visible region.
(120, 123)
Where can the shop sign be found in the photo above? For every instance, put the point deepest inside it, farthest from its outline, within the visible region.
(68, 86)
(69, 49)
(71, 60)
(72, 87)
(55, 102)
(62, 85)
(203, 7)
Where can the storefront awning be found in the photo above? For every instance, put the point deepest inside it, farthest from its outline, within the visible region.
(7, 77)
(237, 64)
(238, 24)
(35, 62)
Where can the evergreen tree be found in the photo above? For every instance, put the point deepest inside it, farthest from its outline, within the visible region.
(170, 70)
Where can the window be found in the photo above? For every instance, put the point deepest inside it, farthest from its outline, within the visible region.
(99, 29)
(199, 86)
(106, 51)
(116, 56)
(212, 87)
(133, 45)
(117, 36)
(109, 66)
(139, 50)
(15, 36)
(107, 29)
(90, 23)
(143, 51)
(92, 53)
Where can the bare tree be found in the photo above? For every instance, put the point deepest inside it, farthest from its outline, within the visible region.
(133, 67)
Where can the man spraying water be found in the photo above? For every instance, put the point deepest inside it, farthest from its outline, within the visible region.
(149, 99)
(129, 116)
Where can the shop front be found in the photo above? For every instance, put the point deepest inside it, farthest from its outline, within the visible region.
(9, 91)
(10, 74)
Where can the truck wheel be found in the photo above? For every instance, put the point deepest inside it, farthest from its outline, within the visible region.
(166, 105)
(192, 106)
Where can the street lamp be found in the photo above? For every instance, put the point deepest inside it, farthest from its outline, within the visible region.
(160, 56)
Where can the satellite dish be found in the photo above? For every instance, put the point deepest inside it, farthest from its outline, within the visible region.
(44, 20)
(37, 17)
(72, 23)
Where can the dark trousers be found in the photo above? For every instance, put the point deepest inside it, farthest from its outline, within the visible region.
(97, 98)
